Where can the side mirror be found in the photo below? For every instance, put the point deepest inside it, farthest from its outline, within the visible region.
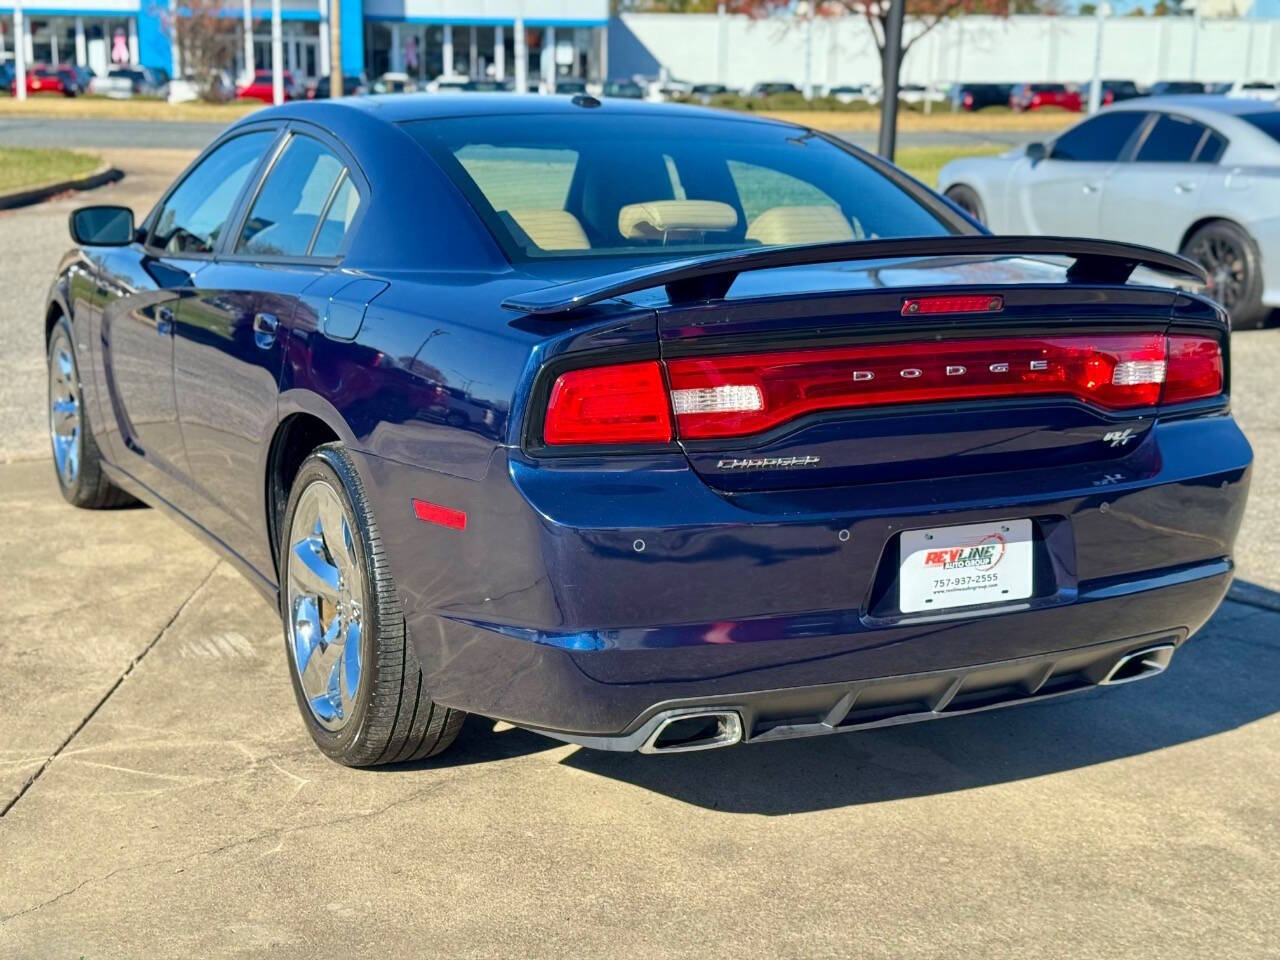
(1037, 152)
(102, 226)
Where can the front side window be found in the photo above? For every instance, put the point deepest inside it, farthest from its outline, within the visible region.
(1173, 139)
(1098, 140)
(195, 214)
(629, 185)
(293, 201)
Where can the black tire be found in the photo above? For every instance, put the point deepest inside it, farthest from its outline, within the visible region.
(1231, 258)
(966, 198)
(393, 718)
(86, 484)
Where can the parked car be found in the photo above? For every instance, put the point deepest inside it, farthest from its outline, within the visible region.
(1113, 91)
(1036, 96)
(569, 87)
(626, 89)
(1169, 88)
(393, 82)
(458, 463)
(1263, 90)
(773, 89)
(709, 90)
(486, 86)
(7, 75)
(854, 93)
(217, 87)
(448, 83)
(979, 96)
(352, 86)
(1197, 175)
(261, 87)
(916, 94)
(142, 81)
(42, 78)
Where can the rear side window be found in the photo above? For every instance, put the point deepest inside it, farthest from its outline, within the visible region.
(195, 214)
(1099, 140)
(1211, 147)
(1268, 121)
(1173, 139)
(337, 221)
(294, 201)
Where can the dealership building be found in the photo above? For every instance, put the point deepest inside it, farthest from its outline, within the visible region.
(423, 38)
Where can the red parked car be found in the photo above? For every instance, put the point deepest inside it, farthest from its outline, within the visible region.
(260, 88)
(1033, 96)
(42, 78)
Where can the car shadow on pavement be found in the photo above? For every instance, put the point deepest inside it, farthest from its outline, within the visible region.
(1220, 680)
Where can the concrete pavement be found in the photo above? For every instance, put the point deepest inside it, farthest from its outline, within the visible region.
(163, 799)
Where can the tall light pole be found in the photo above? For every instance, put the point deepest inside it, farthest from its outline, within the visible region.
(19, 52)
(248, 41)
(335, 48)
(1095, 88)
(892, 65)
(277, 55)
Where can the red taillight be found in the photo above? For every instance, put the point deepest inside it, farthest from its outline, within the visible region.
(1115, 371)
(739, 395)
(913, 306)
(625, 403)
(1195, 369)
(968, 100)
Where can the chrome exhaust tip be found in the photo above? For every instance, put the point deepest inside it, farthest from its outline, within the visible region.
(683, 731)
(1140, 664)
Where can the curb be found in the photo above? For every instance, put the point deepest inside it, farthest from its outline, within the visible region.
(24, 198)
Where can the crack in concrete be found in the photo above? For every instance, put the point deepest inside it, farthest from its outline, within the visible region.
(30, 782)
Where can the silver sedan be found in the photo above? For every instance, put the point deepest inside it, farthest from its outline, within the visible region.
(1196, 175)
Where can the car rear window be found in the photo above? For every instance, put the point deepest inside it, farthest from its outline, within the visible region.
(635, 185)
(1267, 121)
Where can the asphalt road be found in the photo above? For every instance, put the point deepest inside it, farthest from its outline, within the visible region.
(170, 804)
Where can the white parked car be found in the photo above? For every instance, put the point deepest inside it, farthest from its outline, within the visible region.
(1198, 175)
(855, 93)
(1263, 90)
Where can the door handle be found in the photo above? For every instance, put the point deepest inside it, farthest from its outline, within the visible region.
(264, 329)
(1185, 187)
(1089, 187)
(164, 321)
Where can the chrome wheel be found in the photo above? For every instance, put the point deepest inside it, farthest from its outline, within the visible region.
(64, 410)
(325, 594)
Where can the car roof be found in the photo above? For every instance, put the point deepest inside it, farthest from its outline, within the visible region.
(1193, 104)
(401, 107)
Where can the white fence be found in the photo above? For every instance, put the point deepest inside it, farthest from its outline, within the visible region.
(739, 51)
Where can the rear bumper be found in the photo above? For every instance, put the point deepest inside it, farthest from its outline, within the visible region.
(768, 715)
(582, 601)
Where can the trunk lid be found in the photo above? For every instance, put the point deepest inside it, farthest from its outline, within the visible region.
(850, 318)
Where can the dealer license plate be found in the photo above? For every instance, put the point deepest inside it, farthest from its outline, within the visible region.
(961, 566)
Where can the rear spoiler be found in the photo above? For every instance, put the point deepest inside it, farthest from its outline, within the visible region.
(709, 277)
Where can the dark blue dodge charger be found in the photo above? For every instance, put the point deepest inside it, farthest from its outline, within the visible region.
(649, 428)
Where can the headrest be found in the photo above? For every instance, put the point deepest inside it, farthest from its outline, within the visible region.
(820, 223)
(657, 218)
(551, 229)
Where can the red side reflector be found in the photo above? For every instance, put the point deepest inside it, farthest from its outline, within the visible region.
(623, 403)
(442, 516)
(738, 395)
(914, 306)
(1195, 369)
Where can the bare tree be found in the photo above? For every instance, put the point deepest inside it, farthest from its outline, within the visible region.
(204, 44)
